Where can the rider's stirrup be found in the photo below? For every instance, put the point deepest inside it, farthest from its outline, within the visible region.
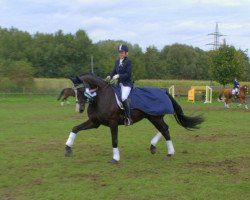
(128, 122)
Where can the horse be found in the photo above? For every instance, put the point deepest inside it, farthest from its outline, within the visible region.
(66, 92)
(105, 111)
(227, 94)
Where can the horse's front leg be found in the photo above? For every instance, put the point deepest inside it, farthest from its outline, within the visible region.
(226, 104)
(245, 103)
(114, 136)
(84, 126)
(241, 101)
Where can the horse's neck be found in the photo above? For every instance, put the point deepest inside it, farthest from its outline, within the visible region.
(94, 82)
(242, 90)
(105, 100)
(104, 91)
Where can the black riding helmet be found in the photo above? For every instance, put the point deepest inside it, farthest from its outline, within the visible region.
(123, 47)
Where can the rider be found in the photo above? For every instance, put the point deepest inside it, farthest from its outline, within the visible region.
(123, 72)
(236, 87)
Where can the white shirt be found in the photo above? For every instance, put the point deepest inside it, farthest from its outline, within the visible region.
(121, 61)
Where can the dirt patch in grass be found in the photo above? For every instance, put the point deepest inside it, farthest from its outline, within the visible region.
(212, 137)
(227, 166)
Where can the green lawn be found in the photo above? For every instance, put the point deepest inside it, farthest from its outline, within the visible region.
(54, 85)
(210, 163)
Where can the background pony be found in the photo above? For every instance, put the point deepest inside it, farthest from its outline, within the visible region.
(66, 92)
(227, 94)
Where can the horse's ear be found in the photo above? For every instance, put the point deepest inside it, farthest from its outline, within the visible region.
(72, 79)
(78, 79)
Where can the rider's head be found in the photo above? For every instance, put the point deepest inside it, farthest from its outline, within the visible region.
(235, 79)
(123, 51)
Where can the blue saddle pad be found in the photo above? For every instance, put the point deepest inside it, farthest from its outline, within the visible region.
(153, 101)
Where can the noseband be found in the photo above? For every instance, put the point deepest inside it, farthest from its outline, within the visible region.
(78, 86)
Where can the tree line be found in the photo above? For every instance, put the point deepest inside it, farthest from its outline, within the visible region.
(65, 54)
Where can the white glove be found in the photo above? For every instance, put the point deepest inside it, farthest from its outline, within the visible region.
(115, 77)
(88, 92)
(107, 78)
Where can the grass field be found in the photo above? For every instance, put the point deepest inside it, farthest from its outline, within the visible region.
(210, 163)
(51, 85)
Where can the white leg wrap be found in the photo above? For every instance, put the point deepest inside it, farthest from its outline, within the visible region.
(170, 147)
(77, 107)
(71, 139)
(156, 138)
(116, 154)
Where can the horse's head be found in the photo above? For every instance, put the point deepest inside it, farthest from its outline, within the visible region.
(245, 89)
(79, 89)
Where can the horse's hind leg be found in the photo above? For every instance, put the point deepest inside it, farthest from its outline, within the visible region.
(63, 101)
(66, 100)
(154, 142)
(159, 123)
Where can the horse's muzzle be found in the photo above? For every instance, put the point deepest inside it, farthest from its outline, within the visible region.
(81, 108)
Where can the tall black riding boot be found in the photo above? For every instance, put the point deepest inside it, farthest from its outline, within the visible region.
(126, 106)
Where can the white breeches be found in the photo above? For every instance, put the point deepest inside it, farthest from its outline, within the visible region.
(125, 91)
(235, 90)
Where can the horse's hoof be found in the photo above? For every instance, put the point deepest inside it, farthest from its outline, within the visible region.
(168, 156)
(113, 161)
(153, 149)
(68, 151)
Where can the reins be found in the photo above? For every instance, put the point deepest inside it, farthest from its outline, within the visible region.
(82, 86)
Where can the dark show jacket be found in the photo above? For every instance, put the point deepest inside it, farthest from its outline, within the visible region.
(125, 72)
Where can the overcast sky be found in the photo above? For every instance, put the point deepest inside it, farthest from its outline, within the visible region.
(145, 22)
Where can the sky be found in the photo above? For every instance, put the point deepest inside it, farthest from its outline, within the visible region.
(144, 22)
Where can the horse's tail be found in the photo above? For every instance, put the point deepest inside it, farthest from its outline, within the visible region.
(60, 95)
(185, 121)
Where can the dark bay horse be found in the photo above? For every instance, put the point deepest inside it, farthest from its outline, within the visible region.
(66, 92)
(227, 94)
(105, 111)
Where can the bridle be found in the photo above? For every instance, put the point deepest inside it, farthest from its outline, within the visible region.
(75, 88)
(78, 86)
(245, 89)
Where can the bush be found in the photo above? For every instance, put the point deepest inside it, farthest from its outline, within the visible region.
(16, 76)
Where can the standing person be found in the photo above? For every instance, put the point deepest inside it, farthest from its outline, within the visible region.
(123, 72)
(236, 87)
